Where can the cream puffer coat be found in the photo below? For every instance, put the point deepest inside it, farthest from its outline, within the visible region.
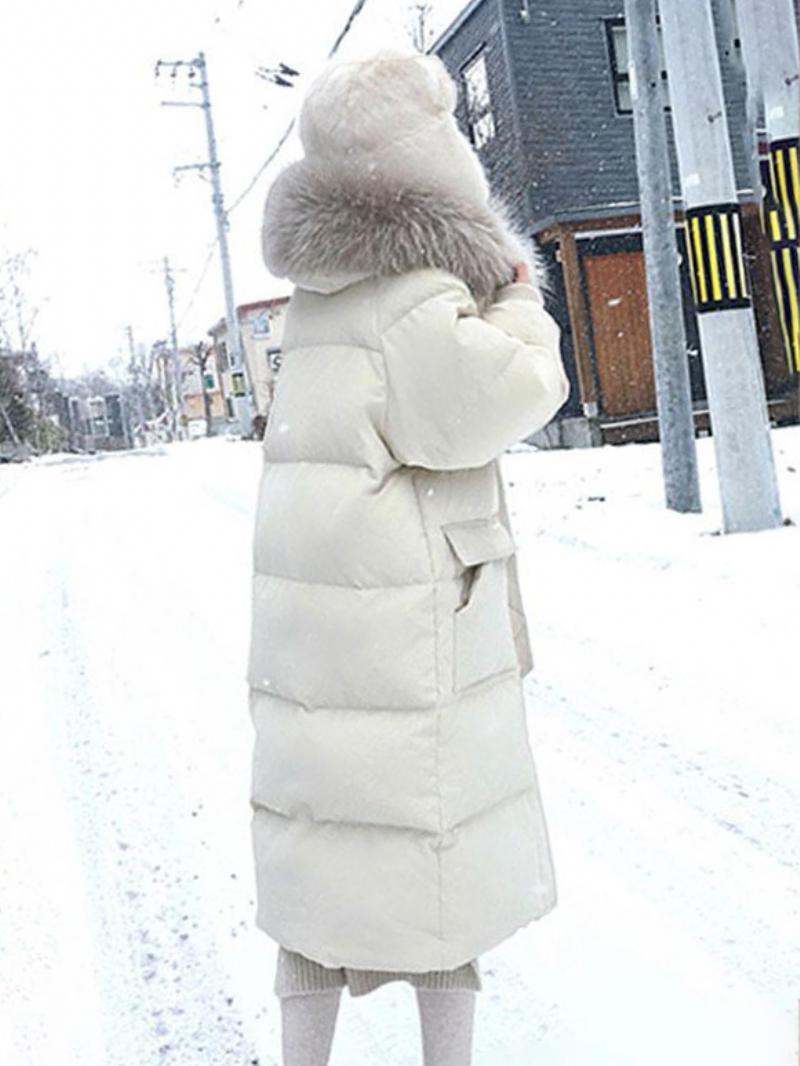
(397, 818)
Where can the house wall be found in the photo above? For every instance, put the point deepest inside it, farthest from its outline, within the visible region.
(193, 405)
(260, 347)
(552, 82)
(564, 159)
(502, 156)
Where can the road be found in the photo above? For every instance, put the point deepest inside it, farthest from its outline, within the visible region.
(661, 716)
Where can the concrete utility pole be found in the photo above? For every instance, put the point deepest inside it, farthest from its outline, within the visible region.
(768, 33)
(673, 386)
(734, 378)
(136, 372)
(771, 55)
(197, 66)
(177, 380)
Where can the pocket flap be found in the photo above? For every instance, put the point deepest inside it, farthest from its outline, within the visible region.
(477, 540)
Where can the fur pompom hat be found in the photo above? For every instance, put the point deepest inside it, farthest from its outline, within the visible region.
(388, 184)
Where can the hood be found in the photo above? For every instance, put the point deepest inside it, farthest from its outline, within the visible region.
(325, 228)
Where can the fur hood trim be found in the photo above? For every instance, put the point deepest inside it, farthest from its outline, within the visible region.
(324, 231)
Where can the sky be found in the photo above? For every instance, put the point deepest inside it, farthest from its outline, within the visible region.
(89, 149)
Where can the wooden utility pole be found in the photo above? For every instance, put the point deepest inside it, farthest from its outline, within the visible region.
(667, 330)
(734, 377)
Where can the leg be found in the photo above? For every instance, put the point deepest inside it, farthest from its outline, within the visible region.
(308, 1022)
(447, 1018)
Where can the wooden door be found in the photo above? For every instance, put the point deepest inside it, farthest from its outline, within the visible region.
(617, 292)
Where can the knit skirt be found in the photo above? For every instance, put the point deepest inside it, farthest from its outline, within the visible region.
(295, 974)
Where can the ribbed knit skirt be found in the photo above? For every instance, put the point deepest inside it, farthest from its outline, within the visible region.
(295, 974)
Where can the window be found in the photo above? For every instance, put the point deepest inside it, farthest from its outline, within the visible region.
(261, 325)
(618, 50)
(97, 416)
(479, 102)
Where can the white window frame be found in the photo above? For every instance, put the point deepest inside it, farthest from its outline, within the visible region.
(617, 35)
(477, 93)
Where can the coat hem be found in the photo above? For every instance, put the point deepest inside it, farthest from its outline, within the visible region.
(444, 963)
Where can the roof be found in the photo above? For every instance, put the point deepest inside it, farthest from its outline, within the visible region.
(455, 25)
(245, 309)
(261, 305)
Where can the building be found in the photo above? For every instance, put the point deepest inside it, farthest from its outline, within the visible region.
(261, 330)
(94, 421)
(204, 408)
(545, 99)
(261, 326)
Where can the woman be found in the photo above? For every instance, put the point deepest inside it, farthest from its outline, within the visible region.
(398, 829)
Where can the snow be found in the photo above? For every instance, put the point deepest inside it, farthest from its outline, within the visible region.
(663, 714)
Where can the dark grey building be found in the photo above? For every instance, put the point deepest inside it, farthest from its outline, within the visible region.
(545, 99)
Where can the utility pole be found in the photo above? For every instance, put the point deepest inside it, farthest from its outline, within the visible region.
(734, 378)
(771, 53)
(768, 33)
(667, 330)
(142, 394)
(177, 381)
(198, 78)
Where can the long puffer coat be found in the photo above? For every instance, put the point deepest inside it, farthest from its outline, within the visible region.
(397, 818)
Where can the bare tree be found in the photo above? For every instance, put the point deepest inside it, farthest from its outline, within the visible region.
(201, 353)
(27, 389)
(17, 313)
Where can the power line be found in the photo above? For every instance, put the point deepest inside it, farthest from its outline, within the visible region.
(272, 155)
(201, 278)
(351, 18)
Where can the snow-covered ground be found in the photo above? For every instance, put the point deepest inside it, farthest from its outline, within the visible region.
(664, 716)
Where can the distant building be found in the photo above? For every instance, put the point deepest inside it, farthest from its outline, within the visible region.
(545, 99)
(202, 387)
(261, 329)
(95, 422)
(261, 324)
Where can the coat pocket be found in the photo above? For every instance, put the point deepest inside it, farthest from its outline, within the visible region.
(483, 640)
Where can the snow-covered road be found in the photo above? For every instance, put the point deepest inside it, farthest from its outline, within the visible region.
(663, 711)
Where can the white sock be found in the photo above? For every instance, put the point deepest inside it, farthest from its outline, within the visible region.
(308, 1022)
(447, 1019)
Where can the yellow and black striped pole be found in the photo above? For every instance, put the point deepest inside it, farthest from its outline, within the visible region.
(780, 218)
(735, 386)
(716, 257)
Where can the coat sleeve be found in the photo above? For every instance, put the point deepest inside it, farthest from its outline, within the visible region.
(461, 388)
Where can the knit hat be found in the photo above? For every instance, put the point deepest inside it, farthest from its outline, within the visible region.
(391, 115)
